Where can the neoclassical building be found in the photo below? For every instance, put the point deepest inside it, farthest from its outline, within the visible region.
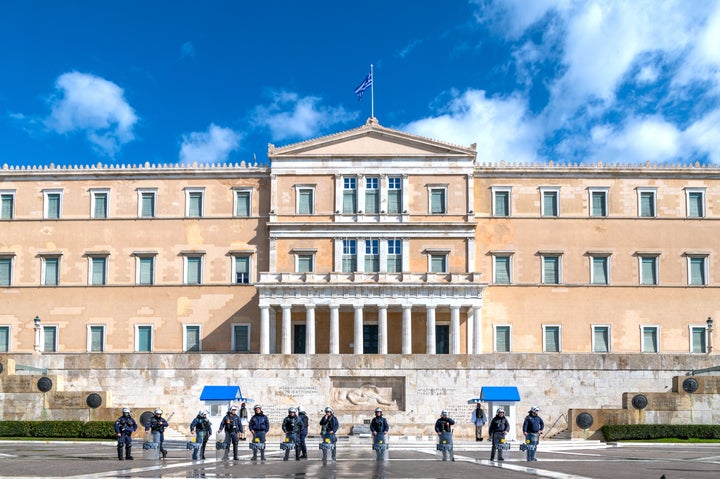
(368, 241)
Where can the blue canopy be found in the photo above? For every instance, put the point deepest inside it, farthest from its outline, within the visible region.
(497, 394)
(222, 393)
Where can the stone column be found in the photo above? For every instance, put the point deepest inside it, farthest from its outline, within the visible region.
(286, 329)
(454, 329)
(407, 329)
(310, 329)
(358, 340)
(430, 346)
(470, 331)
(264, 330)
(382, 330)
(477, 329)
(334, 329)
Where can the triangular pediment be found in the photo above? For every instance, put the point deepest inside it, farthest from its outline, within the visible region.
(370, 140)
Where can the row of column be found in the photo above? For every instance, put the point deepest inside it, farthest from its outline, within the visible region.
(474, 333)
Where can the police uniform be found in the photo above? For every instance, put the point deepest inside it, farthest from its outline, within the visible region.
(124, 427)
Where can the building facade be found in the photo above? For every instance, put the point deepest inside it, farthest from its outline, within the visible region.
(368, 241)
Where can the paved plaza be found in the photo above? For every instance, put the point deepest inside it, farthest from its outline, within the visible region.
(408, 459)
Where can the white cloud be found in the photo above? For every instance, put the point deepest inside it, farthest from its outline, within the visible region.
(290, 116)
(702, 136)
(90, 104)
(637, 141)
(187, 49)
(499, 126)
(211, 146)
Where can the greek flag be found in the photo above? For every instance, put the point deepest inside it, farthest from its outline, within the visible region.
(366, 83)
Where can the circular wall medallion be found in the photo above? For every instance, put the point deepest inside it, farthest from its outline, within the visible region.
(584, 420)
(639, 401)
(690, 385)
(44, 384)
(145, 418)
(94, 400)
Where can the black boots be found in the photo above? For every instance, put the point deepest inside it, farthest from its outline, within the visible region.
(128, 454)
(120, 452)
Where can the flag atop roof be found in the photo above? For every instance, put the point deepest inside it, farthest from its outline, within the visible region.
(366, 83)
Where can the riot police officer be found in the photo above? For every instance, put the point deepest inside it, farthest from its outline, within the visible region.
(303, 434)
(232, 425)
(444, 423)
(201, 427)
(379, 423)
(259, 426)
(330, 425)
(292, 427)
(499, 427)
(124, 427)
(157, 425)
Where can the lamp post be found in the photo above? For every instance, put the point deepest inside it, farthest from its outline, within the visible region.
(709, 334)
(38, 329)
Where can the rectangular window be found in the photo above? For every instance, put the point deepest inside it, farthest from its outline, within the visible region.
(501, 202)
(698, 340)
(394, 257)
(305, 201)
(598, 203)
(601, 339)
(146, 203)
(551, 339)
(551, 269)
(349, 256)
(96, 339)
(697, 270)
(50, 270)
(242, 269)
(372, 196)
(98, 270)
(305, 263)
(299, 333)
(438, 263)
(438, 201)
(695, 203)
(50, 337)
(650, 339)
(53, 204)
(4, 339)
(241, 338)
(143, 338)
(648, 270)
(647, 202)
(194, 200)
(145, 270)
(6, 263)
(191, 341)
(442, 339)
(372, 255)
(502, 273)
(502, 339)
(193, 269)
(7, 206)
(243, 203)
(550, 202)
(599, 270)
(349, 195)
(394, 195)
(370, 338)
(99, 204)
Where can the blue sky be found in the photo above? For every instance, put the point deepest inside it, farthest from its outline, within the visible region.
(129, 82)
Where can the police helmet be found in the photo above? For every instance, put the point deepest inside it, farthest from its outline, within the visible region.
(292, 410)
(329, 409)
(444, 412)
(534, 409)
(234, 408)
(378, 410)
(258, 406)
(126, 410)
(201, 412)
(500, 410)
(158, 411)
(300, 409)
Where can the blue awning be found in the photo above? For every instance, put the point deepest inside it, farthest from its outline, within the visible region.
(497, 394)
(220, 393)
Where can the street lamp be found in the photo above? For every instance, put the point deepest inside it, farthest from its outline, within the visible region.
(38, 329)
(709, 333)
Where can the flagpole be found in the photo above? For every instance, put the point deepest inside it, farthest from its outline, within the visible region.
(372, 93)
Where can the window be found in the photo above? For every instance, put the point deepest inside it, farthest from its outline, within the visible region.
(551, 339)
(394, 257)
(299, 333)
(193, 269)
(242, 269)
(50, 273)
(647, 202)
(438, 263)
(698, 339)
(305, 262)
(143, 338)
(97, 275)
(370, 339)
(4, 339)
(442, 339)
(7, 205)
(52, 204)
(438, 200)
(241, 338)
(502, 339)
(50, 337)
(550, 269)
(501, 201)
(349, 195)
(305, 200)
(502, 269)
(601, 339)
(145, 263)
(372, 255)
(243, 202)
(394, 201)
(649, 339)
(349, 256)
(147, 203)
(598, 202)
(695, 202)
(372, 195)
(99, 203)
(697, 270)
(6, 264)
(648, 269)
(96, 339)
(191, 337)
(550, 201)
(599, 269)
(194, 202)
